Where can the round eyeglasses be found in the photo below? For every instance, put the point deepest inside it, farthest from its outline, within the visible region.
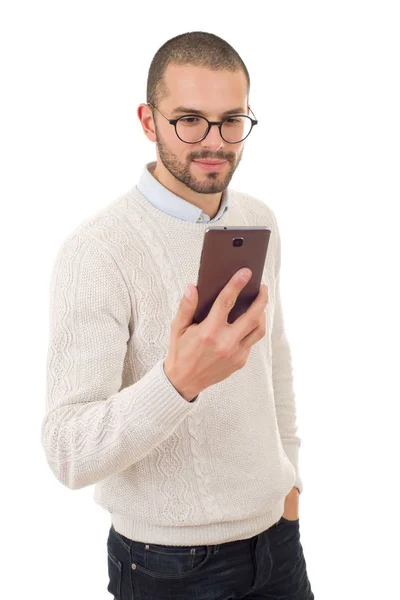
(194, 128)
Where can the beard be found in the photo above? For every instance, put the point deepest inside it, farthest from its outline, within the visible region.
(209, 183)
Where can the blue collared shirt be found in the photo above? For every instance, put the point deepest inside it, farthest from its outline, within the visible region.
(172, 204)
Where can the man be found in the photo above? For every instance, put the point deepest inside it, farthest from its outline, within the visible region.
(187, 430)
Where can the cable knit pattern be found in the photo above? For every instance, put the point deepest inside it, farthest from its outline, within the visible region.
(169, 471)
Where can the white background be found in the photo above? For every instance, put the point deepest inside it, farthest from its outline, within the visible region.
(325, 157)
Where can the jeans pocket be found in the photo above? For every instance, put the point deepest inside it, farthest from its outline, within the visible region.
(288, 520)
(170, 562)
(114, 574)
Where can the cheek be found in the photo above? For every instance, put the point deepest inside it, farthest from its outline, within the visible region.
(170, 142)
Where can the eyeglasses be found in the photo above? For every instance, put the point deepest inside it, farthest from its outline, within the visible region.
(194, 128)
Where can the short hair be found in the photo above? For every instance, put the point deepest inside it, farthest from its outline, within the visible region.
(197, 48)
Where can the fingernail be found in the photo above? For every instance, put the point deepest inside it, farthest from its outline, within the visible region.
(245, 274)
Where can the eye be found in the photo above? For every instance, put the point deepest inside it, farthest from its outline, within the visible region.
(189, 120)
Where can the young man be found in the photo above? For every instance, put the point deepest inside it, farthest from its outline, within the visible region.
(203, 498)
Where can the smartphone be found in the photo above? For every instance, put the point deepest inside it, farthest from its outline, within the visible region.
(225, 251)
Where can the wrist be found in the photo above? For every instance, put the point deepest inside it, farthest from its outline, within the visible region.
(183, 390)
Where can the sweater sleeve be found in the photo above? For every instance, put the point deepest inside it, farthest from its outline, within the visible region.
(282, 373)
(92, 428)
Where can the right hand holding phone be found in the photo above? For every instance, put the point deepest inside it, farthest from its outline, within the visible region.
(202, 354)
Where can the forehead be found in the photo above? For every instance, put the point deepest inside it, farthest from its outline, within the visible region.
(204, 88)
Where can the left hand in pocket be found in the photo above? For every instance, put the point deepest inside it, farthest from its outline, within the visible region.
(291, 510)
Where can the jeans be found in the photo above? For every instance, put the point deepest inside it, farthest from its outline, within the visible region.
(268, 566)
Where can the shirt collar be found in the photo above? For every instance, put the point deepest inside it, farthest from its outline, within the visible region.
(165, 200)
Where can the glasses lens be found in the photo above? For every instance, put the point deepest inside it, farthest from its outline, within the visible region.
(235, 129)
(191, 129)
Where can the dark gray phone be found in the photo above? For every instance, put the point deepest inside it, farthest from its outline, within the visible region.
(225, 251)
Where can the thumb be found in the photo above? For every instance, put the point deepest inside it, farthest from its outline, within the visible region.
(188, 306)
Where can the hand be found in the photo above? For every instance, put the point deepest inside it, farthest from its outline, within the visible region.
(291, 510)
(202, 354)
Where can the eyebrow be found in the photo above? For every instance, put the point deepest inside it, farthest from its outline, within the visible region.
(185, 109)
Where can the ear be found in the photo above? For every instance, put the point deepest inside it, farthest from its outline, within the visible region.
(146, 119)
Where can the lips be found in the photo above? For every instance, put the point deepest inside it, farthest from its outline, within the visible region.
(211, 162)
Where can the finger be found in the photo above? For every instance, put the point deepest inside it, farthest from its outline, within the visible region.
(184, 315)
(256, 335)
(249, 320)
(227, 297)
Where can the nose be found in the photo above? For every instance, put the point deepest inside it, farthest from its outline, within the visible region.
(213, 139)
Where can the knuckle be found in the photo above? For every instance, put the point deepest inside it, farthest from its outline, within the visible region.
(254, 321)
(223, 351)
(243, 360)
(226, 301)
(207, 336)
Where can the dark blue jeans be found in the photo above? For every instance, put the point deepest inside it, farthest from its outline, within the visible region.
(268, 566)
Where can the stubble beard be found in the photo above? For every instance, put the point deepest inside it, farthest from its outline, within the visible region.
(212, 183)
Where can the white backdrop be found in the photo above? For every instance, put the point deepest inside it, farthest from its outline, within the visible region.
(325, 157)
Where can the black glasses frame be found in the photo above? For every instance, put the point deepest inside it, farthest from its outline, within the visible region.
(210, 124)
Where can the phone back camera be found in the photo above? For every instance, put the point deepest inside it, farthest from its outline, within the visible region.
(238, 241)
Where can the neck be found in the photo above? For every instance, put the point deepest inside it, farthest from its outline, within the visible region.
(209, 203)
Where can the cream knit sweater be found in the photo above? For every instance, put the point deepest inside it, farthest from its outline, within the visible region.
(169, 471)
